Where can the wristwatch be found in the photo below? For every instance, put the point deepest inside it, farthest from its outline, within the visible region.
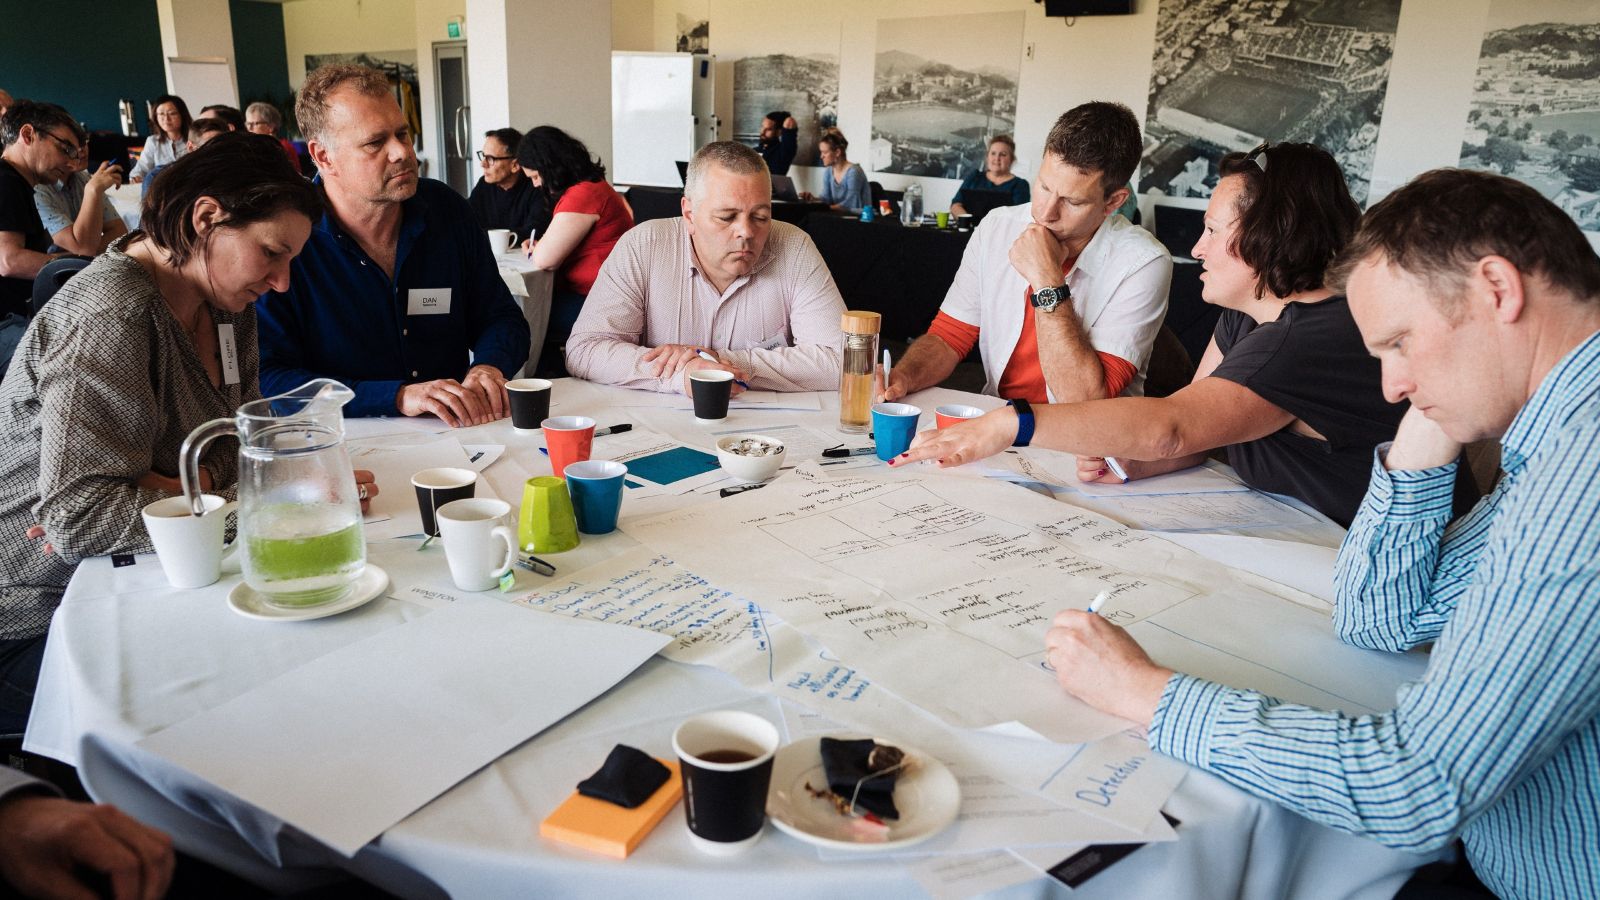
(1048, 299)
(1024, 421)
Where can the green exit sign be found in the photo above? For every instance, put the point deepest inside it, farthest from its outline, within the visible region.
(453, 29)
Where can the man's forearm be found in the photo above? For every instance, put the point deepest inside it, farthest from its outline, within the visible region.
(1072, 368)
(20, 262)
(929, 361)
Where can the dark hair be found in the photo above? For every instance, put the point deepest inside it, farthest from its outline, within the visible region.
(834, 138)
(40, 115)
(231, 116)
(778, 116)
(1009, 142)
(1098, 137)
(1295, 215)
(560, 159)
(184, 119)
(510, 138)
(1447, 219)
(247, 174)
(207, 125)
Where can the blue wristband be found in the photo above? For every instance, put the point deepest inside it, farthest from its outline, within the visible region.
(1024, 421)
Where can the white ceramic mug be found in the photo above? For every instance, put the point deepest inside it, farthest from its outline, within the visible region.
(502, 241)
(469, 529)
(190, 547)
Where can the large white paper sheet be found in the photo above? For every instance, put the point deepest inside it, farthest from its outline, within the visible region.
(1195, 480)
(1201, 512)
(1307, 568)
(351, 743)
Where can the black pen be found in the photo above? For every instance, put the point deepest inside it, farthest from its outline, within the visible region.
(614, 429)
(837, 452)
(730, 491)
(536, 565)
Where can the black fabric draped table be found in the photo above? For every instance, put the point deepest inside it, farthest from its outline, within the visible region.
(882, 266)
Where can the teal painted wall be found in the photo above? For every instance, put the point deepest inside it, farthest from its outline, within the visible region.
(85, 56)
(259, 52)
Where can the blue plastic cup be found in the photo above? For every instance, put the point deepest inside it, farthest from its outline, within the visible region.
(596, 489)
(893, 427)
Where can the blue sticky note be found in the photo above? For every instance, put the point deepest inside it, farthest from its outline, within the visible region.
(673, 465)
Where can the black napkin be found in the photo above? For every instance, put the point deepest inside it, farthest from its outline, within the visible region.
(627, 779)
(845, 764)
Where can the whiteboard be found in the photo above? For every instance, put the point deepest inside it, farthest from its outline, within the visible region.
(653, 115)
(202, 82)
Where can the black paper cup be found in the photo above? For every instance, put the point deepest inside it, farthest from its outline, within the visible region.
(711, 389)
(530, 403)
(436, 487)
(726, 758)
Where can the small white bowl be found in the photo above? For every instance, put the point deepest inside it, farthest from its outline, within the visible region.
(750, 468)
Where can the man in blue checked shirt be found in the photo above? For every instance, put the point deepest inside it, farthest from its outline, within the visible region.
(397, 284)
(1482, 300)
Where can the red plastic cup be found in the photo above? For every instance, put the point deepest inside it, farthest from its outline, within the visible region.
(569, 439)
(945, 416)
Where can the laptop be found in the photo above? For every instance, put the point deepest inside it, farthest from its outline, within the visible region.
(783, 189)
(980, 203)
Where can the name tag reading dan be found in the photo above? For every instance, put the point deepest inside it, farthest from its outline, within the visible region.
(428, 302)
(230, 354)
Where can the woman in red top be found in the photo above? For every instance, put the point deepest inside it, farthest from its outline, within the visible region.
(587, 218)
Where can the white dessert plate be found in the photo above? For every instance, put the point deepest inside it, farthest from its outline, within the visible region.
(927, 796)
(251, 604)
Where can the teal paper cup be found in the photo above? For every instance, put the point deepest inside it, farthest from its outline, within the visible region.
(893, 427)
(596, 489)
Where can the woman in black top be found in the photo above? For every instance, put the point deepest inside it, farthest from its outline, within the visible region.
(1286, 386)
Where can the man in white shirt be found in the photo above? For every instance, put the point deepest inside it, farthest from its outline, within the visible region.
(1062, 296)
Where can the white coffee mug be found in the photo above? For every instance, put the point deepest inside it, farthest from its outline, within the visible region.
(501, 240)
(469, 529)
(190, 547)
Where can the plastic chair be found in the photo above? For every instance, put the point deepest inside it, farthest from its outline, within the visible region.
(53, 276)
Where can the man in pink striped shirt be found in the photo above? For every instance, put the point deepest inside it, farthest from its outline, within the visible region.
(723, 278)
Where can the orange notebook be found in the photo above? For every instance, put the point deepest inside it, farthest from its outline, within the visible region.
(606, 827)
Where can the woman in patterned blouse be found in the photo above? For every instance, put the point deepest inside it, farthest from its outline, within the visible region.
(150, 340)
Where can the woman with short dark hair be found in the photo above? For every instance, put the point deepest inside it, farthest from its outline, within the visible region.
(586, 218)
(153, 338)
(1286, 386)
(169, 137)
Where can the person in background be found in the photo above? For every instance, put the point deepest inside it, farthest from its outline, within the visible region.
(1062, 297)
(204, 129)
(397, 294)
(41, 146)
(230, 116)
(169, 137)
(995, 175)
(5, 101)
(587, 218)
(780, 139)
(123, 362)
(724, 279)
(1481, 300)
(504, 197)
(1286, 385)
(51, 844)
(844, 185)
(76, 210)
(265, 119)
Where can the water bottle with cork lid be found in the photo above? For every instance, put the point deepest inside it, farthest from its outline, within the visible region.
(859, 346)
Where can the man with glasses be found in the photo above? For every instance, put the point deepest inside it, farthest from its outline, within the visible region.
(41, 143)
(504, 197)
(76, 211)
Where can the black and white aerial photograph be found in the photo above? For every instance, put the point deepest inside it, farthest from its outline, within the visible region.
(803, 81)
(693, 35)
(942, 86)
(1228, 75)
(1536, 101)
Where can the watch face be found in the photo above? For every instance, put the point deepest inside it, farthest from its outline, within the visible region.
(1046, 299)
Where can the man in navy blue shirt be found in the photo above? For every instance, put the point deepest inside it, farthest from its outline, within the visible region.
(397, 283)
(780, 139)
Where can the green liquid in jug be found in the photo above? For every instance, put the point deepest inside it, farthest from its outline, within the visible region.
(303, 566)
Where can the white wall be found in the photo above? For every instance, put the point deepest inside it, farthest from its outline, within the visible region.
(633, 25)
(345, 26)
(432, 18)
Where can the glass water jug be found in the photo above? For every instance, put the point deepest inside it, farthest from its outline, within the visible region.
(299, 512)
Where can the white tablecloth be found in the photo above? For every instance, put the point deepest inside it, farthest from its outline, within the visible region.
(531, 287)
(128, 656)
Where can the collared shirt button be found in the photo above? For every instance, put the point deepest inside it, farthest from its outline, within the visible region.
(413, 373)
(404, 332)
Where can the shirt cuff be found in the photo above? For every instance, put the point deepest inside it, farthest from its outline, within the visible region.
(1409, 495)
(1184, 718)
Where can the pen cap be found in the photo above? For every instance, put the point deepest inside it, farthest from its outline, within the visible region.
(856, 321)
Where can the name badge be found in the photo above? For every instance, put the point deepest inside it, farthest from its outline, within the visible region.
(428, 302)
(230, 354)
(776, 342)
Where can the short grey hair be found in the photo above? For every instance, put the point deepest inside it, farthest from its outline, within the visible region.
(267, 112)
(731, 155)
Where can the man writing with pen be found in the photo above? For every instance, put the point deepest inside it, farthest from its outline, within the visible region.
(721, 287)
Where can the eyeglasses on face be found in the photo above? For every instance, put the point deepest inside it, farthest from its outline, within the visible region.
(490, 157)
(70, 148)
